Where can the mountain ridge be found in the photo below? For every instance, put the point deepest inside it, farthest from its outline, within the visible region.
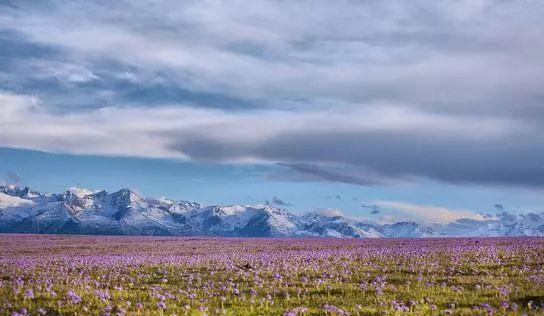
(125, 212)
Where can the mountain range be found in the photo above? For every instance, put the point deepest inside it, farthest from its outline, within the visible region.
(80, 211)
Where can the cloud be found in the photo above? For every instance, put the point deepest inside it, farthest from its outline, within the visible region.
(24, 123)
(330, 212)
(430, 214)
(376, 146)
(374, 208)
(351, 52)
(13, 177)
(311, 172)
(446, 148)
(359, 92)
(276, 201)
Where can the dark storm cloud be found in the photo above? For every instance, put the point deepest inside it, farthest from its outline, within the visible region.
(309, 172)
(516, 159)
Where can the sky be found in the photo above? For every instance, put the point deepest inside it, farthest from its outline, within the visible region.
(381, 109)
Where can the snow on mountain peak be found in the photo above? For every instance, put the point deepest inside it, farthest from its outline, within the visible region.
(124, 197)
(80, 211)
(12, 201)
(79, 192)
(17, 191)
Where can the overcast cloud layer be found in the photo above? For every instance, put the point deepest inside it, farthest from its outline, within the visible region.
(363, 92)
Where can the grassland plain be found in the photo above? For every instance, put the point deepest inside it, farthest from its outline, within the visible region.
(80, 275)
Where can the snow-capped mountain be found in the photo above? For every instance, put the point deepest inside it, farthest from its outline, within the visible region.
(335, 225)
(80, 211)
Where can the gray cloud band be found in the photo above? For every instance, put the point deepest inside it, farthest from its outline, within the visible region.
(370, 158)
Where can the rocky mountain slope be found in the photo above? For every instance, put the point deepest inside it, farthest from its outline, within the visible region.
(79, 211)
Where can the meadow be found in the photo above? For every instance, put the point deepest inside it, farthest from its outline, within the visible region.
(92, 275)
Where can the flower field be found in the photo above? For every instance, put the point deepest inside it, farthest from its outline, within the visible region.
(80, 275)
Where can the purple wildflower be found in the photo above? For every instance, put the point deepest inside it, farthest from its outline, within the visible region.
(29, 294)
(73, 297)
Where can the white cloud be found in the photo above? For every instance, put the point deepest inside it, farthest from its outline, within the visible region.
(111, 131)
(12, 106)
(421, 53)
(65, 72)
(330, 212)
(430, 214)
(153, 131)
